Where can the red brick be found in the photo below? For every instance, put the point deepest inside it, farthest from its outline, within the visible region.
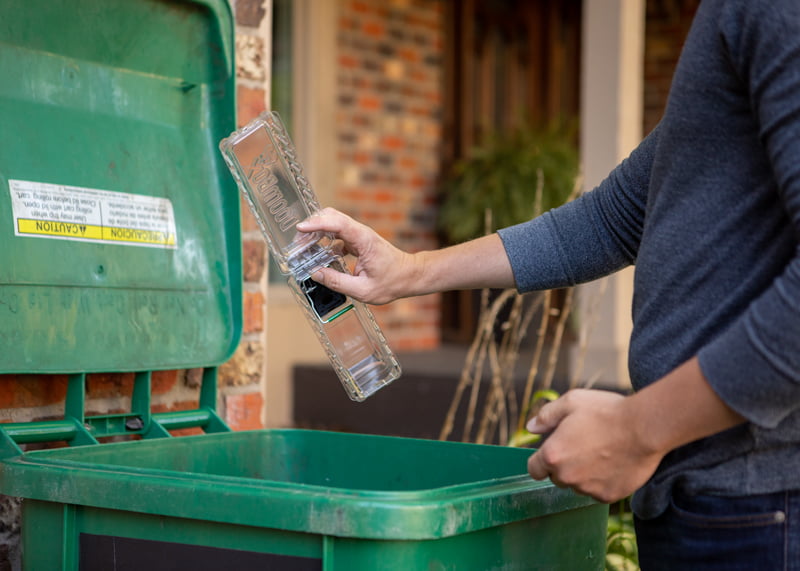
(408, 163)
(254, 259)
(362, 158)
(415, 21)
(374, 29)
(253, 312)
(393, 143)
(173, 406)
(361, 82)
(384, 196)
(348, 61)
(109, 385)
(249, 104)
(418, 181)
(18, 391)
(361, 121)
(360, 7)
(369, 102)
(347, 23)
(248, 220)
(434, 97)
(163, 382)
(418, 75)
(243, 411)
(408, 54)
(356, 195)
(416, 342)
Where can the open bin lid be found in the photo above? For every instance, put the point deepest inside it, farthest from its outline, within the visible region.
(119, 222)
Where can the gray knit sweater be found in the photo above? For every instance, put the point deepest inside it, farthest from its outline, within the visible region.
(708, 210)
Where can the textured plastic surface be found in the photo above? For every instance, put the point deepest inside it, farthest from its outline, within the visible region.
(350, 336)
(118, 219)
(264, 162)
(351, 501)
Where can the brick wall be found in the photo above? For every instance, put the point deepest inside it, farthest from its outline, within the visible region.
(389, 123)
(667, 24)
(389, 127)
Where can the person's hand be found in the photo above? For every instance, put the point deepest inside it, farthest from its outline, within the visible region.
(592, 447)
(382, 273)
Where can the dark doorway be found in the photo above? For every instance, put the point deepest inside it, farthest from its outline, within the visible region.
(506, 61)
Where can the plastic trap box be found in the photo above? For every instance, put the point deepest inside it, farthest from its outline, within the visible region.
(264, 162)
(120, 227)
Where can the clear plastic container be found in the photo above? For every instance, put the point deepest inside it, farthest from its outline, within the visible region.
(264, 163)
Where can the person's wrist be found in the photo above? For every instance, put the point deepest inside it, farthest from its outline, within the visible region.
(647, 433)
(418, 278)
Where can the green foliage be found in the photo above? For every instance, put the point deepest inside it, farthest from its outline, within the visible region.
(502, 176)
(621, 551)
(522, 437)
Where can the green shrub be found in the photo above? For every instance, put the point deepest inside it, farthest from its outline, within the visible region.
(502, 175)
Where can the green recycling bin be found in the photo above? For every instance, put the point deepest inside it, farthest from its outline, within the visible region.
(294, 499)
(120, 227)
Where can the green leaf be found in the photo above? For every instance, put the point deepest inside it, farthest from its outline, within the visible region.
(501, 175)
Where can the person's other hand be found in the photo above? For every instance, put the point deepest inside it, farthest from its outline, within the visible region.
(591, 446)
(382, 273)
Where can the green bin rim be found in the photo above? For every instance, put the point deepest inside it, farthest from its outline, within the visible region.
(425, 513)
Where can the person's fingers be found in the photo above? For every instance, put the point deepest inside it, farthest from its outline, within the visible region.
(537, 467)
(339, 281)
(339, 248)
(540, 464)
(375, 279)
(326, 220)
(337, 223)
(550, 415)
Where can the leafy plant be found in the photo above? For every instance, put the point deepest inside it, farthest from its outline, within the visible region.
(621, 551)
(501, 175)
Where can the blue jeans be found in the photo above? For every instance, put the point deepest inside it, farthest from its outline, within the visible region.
(712, 533)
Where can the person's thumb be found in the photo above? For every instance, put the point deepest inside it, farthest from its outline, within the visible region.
(548, 417)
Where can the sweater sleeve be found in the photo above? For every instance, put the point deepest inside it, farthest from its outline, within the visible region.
(588, 238)
(763, 39)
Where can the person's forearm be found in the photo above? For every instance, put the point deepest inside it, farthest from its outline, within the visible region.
(383, 273)
(476, 264)
(679, 408)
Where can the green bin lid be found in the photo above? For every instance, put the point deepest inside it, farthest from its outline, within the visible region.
(119, 221)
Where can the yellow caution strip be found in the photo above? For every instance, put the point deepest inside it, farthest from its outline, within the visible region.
(66, 229)
(139, 236)
(92, 232)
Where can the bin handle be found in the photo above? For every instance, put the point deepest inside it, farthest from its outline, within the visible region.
(77, 429)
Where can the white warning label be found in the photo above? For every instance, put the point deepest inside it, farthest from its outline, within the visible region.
(89, 215)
